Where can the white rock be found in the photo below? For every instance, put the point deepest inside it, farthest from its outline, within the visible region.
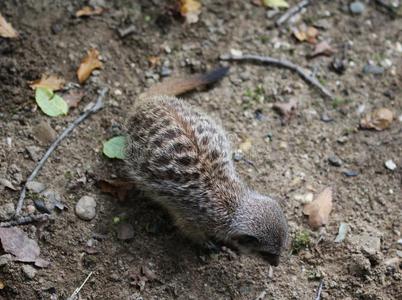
(390, 165)
(236, 53)
(85, 208)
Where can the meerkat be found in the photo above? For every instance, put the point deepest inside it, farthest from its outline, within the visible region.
(183, 158)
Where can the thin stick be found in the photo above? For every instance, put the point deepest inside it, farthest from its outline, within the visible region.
(77, 290)
(282, 64)
(97, 106)
(319, 291)
(291, 12)
(25, 220)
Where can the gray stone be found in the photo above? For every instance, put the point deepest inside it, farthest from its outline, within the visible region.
(33, 152)
(5, 259)
(36, 187)
(7, 211)
(368, 244)
(335, 161)
(373, 69)
(29, 271)
(165, 71)
(357, 7)
(85, 208)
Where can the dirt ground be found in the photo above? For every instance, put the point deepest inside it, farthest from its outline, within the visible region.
(291, 160)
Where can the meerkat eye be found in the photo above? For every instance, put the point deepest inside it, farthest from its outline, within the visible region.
(247, 240)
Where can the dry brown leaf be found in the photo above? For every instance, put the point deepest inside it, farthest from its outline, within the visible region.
(190, 10)
(379, 119)
(117, 188)
(88, 64)
(154, 61)
(50, 82)
(89, 11)
(6, 30)
(308, 34)
(286, 110)
(322, 48)
(319, 209)
(73, 97)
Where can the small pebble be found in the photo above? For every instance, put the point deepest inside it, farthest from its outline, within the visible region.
(118, 92)
(165, 71)
(29, 271)
(357, 7)
(85, 208)
(350, 173)
(335, 161)
(326, 118)
(399, 241)
(390, 165)
(35, 186)
(386, 63)
(373, 69)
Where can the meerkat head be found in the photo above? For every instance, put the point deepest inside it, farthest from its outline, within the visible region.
(260, 227)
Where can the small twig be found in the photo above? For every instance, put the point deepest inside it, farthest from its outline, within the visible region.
(97, 106)
(25, 220)
(282, 64)
(319, 291)
(77, 290)
(291, 12)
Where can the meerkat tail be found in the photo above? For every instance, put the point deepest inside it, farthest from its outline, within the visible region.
(180, 85)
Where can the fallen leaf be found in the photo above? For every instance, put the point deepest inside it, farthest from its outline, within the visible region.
(190, 10)
(308, 34)
(89, 11)
(73, 97)
(379, 119)
(6, 30)
(275, 3)
(117, 188)
(88, 64)
(50, 82)
(286, 110)
(154, 61)
(51, 104)
(319, 209)
(17, 243)
(114, 148)
(322, 48)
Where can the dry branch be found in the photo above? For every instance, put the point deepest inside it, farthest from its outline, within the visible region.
(310, 79)
(97, 106)
(291, 12)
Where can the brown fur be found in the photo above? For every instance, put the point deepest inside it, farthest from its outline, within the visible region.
(183, 157)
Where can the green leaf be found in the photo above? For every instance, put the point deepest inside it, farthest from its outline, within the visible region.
(51, 104)
(275, 3)
(114, 148)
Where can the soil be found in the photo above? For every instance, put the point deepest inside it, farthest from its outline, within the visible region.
(290, 159)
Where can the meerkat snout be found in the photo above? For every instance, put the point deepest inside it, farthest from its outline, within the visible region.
(260, 227)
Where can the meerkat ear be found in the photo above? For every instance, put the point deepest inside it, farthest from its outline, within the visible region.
(246, 240)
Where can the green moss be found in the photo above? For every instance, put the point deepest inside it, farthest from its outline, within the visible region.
(300, 241)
